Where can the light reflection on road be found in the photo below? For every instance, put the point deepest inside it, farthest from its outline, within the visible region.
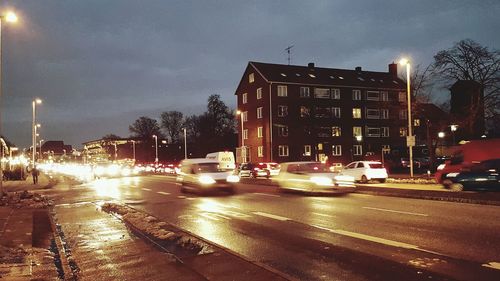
(111, 187)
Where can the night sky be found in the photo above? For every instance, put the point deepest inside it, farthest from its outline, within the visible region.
(99, 65)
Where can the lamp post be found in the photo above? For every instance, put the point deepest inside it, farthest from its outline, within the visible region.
(185, 144)
(34, 126)
(40, 146)
(453, 128)
(243, 150)
(133, 150)
(410, 139)
(8, 17)
(156, 148)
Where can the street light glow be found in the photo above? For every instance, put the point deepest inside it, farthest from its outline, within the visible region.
(404, 61)
(38, 101)
(11, 17)
(441, 135)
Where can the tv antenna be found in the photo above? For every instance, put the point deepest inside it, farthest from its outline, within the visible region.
(288, 50)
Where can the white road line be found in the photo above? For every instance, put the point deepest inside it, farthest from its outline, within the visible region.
(271, 216)
(265, 194)
(164, 193)
(394, 211)
(181, 197)
(493, 264)
(147, 189)
(323, 215)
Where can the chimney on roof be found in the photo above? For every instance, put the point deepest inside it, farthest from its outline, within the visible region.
(358, 68)
(310, 65)
(393, 69)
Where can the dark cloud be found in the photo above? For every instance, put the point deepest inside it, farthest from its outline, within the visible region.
(99, 65)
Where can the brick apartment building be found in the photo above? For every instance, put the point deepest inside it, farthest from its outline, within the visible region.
(293, 113)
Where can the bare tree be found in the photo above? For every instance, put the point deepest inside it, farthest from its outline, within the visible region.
(145, 128)
(172, 122)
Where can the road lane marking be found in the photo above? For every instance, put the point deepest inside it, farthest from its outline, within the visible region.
(213, 216)
(323, 215)
(265, 194)
(493, 264)
(164, 193)
(394, 211)
(181, 197)
(147, 189)
(271, 216)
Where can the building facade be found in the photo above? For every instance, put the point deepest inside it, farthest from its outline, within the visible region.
(291, 113)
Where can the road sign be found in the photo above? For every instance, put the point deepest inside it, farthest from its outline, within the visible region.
(410, 141)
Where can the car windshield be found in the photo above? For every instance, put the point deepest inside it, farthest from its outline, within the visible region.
(208, 168)
(313, 168)
(375, 165)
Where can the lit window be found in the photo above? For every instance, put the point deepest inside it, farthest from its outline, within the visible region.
(402, 97)
(385, 131)
(244, 98)
(321, 93)
(386, 148)
(304, 92)
(336, 131)
(385, 113)
(305, 111)
(337, 150)
(403, 131)
(259, 93)
(260, 151)
(282, 110)
(259, 112)
(307, 150)
(251, 78)
(372, 113)
(357, 149)
(312, 75)
(320, 146)
(335, 94)
(260, 132)
(356, 113)
(336, 112)
(356, 94)
(372, 132)
(416, 122)
(283, 150)
(357, 131)
(403, 114)
(245, 116)
(282, 91)
(245, 134)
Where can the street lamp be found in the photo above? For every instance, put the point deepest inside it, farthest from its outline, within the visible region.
(34, 126)
(243, 150)
(410, 139)
(133, 149)
(40, 145)
(8, 17)
(185, 144)
(156, 148)
(453, 128)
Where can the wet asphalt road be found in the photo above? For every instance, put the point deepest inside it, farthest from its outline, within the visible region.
(352, 237)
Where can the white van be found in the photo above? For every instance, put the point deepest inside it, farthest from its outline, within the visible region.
(225, 159)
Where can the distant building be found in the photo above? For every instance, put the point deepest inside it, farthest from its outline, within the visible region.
(55, 148)
(467, 109)
(293, 112)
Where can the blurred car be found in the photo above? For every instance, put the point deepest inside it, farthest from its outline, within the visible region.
(274, 168)
(365, 171)
(482, 176)
(405, 163)
(253, 170)
(205, 175)
(312, 177)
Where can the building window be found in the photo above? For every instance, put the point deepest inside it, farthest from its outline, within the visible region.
(320, 147)
(357, 149)
(283, 150)
(372, 95)
(416, 122)
(245, 116)
(403, 114)
(282, 91)
(324, 132)
(244, 98)
(337, 150)
(385, 131)
(259, 93)
(336, 131)
(403, 131)
(356, 94)
(307, 150)
(282, 110)
(282, 131)
(259, 112)
(357, 131)
(356, 113)
(245, 134)
(336, 94)
(321, 93)
(385, 113)
(260, 151)
(251, 78)
(384, 96)
(372, 113)
(386, 148)
(402, 97)
(372, 132)
(305, 111)
(260, 133)
(336, 112)
(322, 112)
(304, 92)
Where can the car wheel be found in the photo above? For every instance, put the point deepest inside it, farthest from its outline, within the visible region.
(381, 180)
(364, 179)
(457, 187)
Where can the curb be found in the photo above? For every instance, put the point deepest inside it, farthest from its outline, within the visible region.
(63, 255)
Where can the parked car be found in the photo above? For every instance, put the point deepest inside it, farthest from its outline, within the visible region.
(312, 177)
(482, 176)
(405, 163)
(365, 171)
(253, 170)
(205, 175)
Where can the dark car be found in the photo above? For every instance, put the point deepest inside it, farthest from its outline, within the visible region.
(482, 176)
(254, 170)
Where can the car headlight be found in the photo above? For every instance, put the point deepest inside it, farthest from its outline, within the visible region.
(322, 180)
(126, 172)
(206, 179)
(451, 175)
(233, 178)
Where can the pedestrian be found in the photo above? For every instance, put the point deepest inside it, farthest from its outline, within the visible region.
(35, 173)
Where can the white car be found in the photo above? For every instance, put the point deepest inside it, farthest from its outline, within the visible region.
(205, 175)
(312, 177)
(365, 171)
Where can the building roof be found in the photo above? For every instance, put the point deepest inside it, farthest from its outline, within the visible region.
(313, 75)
